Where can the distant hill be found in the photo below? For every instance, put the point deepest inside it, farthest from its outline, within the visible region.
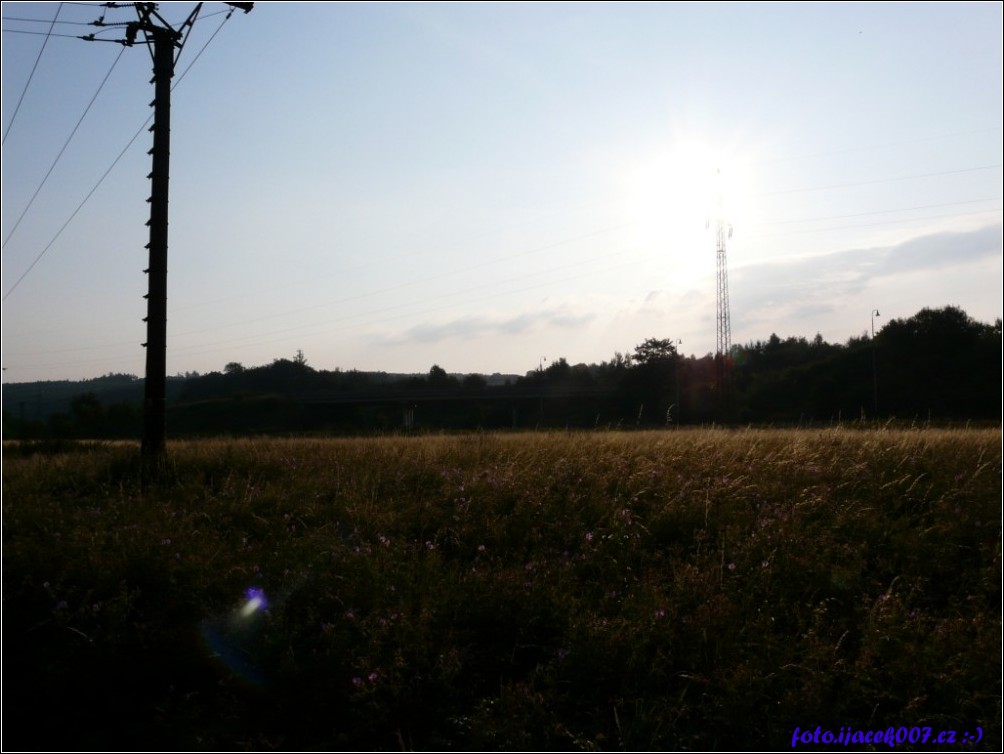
(36, 401)
(939, 365)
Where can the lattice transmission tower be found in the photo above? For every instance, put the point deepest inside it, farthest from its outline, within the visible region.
(723, 232)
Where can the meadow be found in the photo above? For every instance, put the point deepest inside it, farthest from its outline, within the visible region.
(690, 589)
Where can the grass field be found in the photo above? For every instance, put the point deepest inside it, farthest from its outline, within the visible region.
(704, 589)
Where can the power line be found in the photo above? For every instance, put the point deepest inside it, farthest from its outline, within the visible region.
(31, 75)
(208, 41)
(68, 140)
(879, 212)
(869, 147)
(77, 210)
(880, 180)
(883, 222)
(41, 34)
(109, 170)
(45, 21)
(326, 324)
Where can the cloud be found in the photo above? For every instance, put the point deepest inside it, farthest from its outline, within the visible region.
(816, 284)
(476, 326)
(943, 249)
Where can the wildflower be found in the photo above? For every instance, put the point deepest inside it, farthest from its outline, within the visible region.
(429, 545)
(357, 682)
(589, 536)
(372, 677)
(660, 613)
(732, 566)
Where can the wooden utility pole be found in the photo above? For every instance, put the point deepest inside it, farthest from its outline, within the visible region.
(155, 386)
(165, 44)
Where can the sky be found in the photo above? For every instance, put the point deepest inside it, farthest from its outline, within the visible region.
(489, 187)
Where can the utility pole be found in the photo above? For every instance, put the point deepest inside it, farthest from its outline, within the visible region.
(163, 39)
(165, 44)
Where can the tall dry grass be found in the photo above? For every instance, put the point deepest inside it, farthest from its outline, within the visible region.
(652, 590)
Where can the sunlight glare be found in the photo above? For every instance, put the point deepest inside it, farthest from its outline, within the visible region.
(673, 201)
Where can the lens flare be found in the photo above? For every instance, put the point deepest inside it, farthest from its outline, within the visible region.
(255, 601)
(235, 638)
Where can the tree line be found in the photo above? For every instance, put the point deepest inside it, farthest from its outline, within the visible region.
(939, 365)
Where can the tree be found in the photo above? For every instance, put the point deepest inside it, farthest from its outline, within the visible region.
(475, 382)
(939, 362)
(649, 387)
(439, 378)
(654, 350)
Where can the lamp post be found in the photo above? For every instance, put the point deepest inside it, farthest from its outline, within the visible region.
(875, 313)
(540, 373)
(676, 361)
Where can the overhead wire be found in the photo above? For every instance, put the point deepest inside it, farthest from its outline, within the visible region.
(110, 168)
(877, 224)
(328, 325)
(31, 75)
(764, 194)
(65, 145)
(877, 181)
(74, 214)
(41, 33)
(879, 212)
(46, 21)
(278, 335)
(325, 327)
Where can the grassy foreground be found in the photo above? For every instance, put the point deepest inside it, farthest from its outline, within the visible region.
(666, 590)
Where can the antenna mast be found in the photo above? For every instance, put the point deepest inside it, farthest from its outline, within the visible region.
(723, 232)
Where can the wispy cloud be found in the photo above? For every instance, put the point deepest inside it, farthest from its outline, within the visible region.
(475, 326)
(814, 285)
(942, 249)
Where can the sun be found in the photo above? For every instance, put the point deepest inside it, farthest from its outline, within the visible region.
(673, 201)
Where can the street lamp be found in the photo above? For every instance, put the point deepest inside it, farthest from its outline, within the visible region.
(676, 360)
(875, 313)
(540, 373)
